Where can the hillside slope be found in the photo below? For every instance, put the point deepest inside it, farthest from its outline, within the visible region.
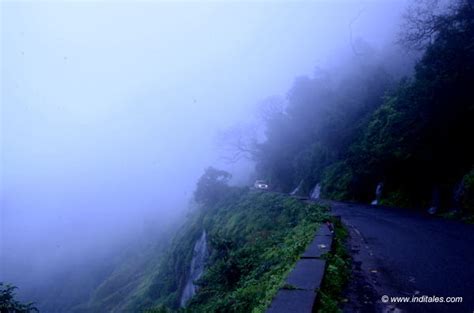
(253, 240)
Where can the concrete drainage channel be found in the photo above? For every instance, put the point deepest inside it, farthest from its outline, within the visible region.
(301, 286)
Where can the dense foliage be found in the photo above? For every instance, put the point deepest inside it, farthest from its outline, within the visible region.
(212, 186)
(8, 303)
(414, 135)
(254, 240)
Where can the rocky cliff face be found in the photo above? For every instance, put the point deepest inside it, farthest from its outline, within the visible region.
(200, 256)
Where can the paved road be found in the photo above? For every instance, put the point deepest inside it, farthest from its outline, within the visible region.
(401, 253)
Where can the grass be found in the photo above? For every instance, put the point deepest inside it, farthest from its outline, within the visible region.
(453, 215)
(337, 273)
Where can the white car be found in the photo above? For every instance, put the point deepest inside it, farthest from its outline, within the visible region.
(260, 184)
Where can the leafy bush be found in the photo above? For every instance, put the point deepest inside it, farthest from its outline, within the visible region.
(8, 304)
(336, 181)
(211, 186)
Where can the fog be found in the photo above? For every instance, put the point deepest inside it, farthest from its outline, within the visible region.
(110, 110)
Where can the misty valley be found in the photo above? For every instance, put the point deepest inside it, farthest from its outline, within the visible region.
(244, 156)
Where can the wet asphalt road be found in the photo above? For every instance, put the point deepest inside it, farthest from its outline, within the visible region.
(401, 253)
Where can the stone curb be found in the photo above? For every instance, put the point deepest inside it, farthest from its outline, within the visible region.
(304, 280)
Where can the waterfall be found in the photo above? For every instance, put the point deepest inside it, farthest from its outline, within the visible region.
(316, 192)
(435, 201)
(200, 255)
(458, 194)
(378, 194)
(297, 189)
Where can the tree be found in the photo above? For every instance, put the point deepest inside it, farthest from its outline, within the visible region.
(238, 142)
(8, 304)
(242, 140)
(426, 19)
(211, 186)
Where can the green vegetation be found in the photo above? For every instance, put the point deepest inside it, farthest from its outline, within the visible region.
(337, 272)
(348, 133)
(414, 134)
(8, 304)
(212, 186)
(254, 240)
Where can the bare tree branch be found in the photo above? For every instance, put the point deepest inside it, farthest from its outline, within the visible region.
(357, 53)
(238, 142)
(422, 22)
